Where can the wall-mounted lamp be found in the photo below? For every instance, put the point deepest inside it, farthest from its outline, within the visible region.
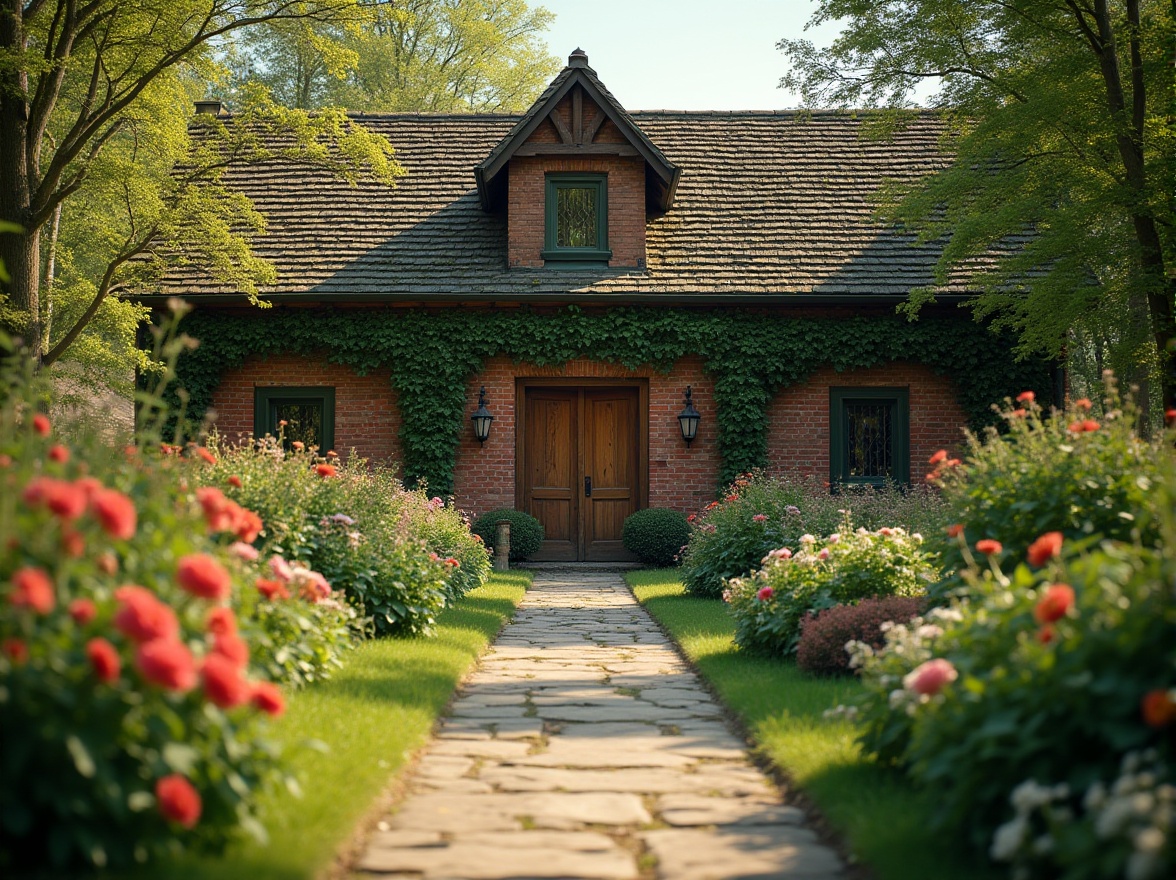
(689, 419)
(482, 418)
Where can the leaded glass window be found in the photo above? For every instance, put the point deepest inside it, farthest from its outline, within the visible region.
(869, 436)
(576, 219)
(308, 413)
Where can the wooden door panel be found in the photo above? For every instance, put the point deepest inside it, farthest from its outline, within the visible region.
(610, 459)
(550, 479)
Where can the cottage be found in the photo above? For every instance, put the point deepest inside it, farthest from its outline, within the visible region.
(587, 276)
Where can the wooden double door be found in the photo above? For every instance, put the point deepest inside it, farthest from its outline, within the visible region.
(582, 465)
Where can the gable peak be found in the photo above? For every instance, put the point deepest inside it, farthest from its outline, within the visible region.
(578, 58)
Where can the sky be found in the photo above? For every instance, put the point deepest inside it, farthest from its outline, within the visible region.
(686, 54)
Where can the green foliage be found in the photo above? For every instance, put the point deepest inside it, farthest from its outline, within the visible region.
(749, 355)
(823, 636)
(760, 513)
(843, 569)
(397, 554)
(440, 56)
(1059, 122)
(526, 532)
(656, 535)
(1041, 476)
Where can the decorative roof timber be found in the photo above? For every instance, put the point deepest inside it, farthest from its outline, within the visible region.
(660, 195)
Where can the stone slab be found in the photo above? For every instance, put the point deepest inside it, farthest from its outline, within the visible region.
(766, 853)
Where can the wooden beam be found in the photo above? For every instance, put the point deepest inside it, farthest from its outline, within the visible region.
(578, 115)
(594, 126)
(564, 134)
(576, 150)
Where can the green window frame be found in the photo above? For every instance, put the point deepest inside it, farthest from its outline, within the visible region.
(869, 436)
(564, 193)
(269, 401)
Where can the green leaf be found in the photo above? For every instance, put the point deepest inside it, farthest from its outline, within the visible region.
(83, 762)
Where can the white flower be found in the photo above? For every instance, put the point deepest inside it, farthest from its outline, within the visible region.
(1149, 840)
(1008, 840)
(807, 539)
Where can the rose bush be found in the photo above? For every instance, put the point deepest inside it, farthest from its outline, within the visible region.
(760, 512)
(824, 635)
(842, 569)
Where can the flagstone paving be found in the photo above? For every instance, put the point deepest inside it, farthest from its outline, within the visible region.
(583, 747)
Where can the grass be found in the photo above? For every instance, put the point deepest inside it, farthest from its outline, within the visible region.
(373, 714)
(886, 822)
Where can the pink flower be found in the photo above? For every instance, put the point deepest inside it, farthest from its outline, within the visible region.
(281, 569)
(759, 517)
(244, 551)
(824, 553)
(765, 593)
(1026, 397)
(272, 590)
(929, 678)
(940, 455)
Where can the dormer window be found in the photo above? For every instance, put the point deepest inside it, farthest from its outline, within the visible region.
(576, 219)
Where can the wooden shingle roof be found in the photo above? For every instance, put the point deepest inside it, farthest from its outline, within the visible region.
(770, 207)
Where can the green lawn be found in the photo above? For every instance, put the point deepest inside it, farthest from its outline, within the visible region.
(886, 823)
(373, 714)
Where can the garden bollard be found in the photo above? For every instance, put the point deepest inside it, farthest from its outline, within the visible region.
(502, 546)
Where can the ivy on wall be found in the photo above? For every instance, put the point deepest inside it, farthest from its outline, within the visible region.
(750, 355)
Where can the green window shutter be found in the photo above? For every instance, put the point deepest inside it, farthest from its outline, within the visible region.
(576, 219)
(869, 436)
(309, 413)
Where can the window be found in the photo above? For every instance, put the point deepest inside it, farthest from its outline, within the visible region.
(309, 414)
(869, 436)
(576, 227)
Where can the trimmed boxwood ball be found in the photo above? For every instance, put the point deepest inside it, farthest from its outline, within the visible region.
(656, 535)
(823, 635)
(526, 532)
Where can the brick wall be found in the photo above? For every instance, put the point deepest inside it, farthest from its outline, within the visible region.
(366, 416)
(679, 477)
(626, 194)
(798, 417)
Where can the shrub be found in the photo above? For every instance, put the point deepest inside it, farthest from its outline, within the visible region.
(446, 532)
(130, 681)
(759, 512)
(526, 532)
(842, 569)
(656, 535)
(1045, 474)
(823, 636)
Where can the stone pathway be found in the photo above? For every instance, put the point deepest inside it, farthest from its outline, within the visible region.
(583, 747)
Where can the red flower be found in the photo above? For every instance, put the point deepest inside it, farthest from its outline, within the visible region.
(72, 543)
(272, 590)
(298, 445)
(268, 698)
(1158, 708)
(116, 513)
(692, 518)
(67, 500)
(223, 684)
(235, 481)
(450, 561)
(325, 470)
(167, 663)
(232, 648)
(1046, 634)
(105, 660)
(221, 621)
(712, 505)
(217, 512)
(41, 425)
(931, 677)
(1083, 427)
(1018, 414)
(108, 563)
(332, 454)
(248, 525)
(82, 611)
(178, 800)
(955, 530)
(206, 455)
(765, 593)
(1052, 607)
(58, 453)
(143, 617)
(15, 650)
(730, 498)
(939, 456)
(952, 462)
(5, 460)
(1083, 403)
(203, 576)
(1045, 548)
(32, 588)
(759, 517)
(1170, 415)
(89, 485)
(1026, 397)
(988, 547)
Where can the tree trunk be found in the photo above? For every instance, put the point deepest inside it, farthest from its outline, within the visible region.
(20, 251)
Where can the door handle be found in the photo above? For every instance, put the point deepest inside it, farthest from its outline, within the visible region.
(587, 487)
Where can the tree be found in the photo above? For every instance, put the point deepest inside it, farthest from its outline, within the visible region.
(413, 55)
(1061, 117)
(95, 150)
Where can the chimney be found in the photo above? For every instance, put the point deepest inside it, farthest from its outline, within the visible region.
(579, 58)
(212, 108)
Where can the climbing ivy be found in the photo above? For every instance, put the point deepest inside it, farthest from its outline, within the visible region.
(750, 355)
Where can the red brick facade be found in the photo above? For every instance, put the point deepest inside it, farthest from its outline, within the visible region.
(798, 418)
(366, 416)
(626, 195)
